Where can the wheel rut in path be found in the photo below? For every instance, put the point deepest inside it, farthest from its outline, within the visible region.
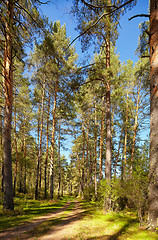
(22, 232)
(67, 228)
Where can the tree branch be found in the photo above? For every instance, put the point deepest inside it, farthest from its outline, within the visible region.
(139, 15)
(43, 2)
(145, 56)
(95, 6)
(96, 22)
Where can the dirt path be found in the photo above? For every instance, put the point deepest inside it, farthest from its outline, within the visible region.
(62, 230)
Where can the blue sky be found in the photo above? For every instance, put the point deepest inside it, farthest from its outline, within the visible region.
(128, 33)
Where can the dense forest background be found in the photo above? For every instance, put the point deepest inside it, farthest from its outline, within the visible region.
(103, 107)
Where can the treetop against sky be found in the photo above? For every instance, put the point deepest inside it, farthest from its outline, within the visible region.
(128, 30)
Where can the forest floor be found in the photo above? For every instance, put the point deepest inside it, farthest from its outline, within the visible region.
(79, 221)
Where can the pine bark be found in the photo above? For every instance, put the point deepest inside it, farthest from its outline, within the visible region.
(87, 151)
(108, 125)
(17, 154)
(135, 131)
(24, 154)
(83, 160)
(38, 171)
(108, 116)
(125, 144)
(1, 152)
(95, 155)
(108, 135)
(53, 144)
(59, 164)
(101, 139)
(118, 152)
(153, 170)
(47, 148)
(8, 94)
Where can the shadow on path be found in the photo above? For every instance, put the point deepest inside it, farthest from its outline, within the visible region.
(16, 232)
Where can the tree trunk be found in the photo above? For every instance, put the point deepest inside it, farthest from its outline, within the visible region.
(24, 154)
(135, 131)
(79, 172)
(16, 149)
(108, 125)
(153, 170)
(38, 164)
(101, 139)
(8, 94)
(118, 152)
(83, 160)
(59, 163)
(40, 144)
(87, 151)
(108, 135)
(126, 134)
(52, 145)
(95, 155)
(1, 152)
(47, 148)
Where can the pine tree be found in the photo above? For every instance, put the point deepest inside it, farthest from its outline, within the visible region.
(153, 170)
(15, 25)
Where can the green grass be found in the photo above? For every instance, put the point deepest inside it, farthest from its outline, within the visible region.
(111, 226)
(26, 210)
(94, 225)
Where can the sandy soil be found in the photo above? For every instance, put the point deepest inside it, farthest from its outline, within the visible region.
(66, 229)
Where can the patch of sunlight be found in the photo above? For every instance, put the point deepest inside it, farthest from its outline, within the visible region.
(139, 234)
(99, 226)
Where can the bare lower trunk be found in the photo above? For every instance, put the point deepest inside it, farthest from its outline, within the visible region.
(25, 168)
(17, 154)
(80, 174)
(153, 170)
(47, 147)
(95, 155)
(101, 140)
(125, 145)
(135, 131)
(39, 173)
(83, 161)
(38, 164)
(1, 152)
(59, 163)
(52, 146)
(87, 151)
(108, 135)
(108, 126)
(118, 153)
(8, 94)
